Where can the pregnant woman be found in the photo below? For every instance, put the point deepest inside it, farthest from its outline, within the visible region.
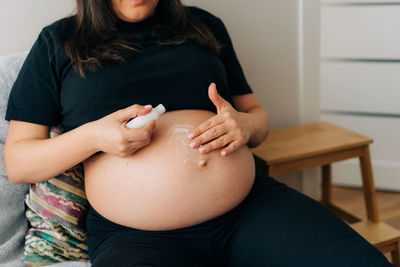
(181, 191)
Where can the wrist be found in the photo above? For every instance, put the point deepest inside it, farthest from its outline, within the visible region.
(250, 126)
(253, 130)
(90, 134)
(259, 127)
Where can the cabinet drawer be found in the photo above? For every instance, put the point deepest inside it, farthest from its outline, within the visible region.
(360, 31)
(360, 87)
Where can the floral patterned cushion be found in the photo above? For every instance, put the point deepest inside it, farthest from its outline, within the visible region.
(56, 211)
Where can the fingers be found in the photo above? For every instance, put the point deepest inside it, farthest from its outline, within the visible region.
(208, 124)
(142, 134)
(150, 126)
(208, 135)
(231, 148)
(141, 110)
(228, 129)
(226, 141)
(137, 138)
(115, 138)
(132, 111)
(217, 100)
(220, 142)
(221, 105)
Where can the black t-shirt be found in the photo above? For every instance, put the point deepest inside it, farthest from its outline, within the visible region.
(50, 92)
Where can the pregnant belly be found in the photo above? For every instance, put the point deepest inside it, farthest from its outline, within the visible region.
(168, 185)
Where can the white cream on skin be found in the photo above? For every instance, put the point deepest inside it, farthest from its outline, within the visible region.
(179, 142)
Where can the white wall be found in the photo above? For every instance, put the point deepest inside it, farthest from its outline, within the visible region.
(265, 36)
(21, 21)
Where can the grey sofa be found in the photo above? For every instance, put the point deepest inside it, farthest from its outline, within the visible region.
(13, 223)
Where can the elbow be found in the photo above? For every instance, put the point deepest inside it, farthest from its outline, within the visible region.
(14, 169)
(14, 179)
(13, 175)
(18, 175)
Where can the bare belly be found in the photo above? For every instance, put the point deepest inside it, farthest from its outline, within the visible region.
(168, 185)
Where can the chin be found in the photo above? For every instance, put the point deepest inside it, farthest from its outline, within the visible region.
(135, 10)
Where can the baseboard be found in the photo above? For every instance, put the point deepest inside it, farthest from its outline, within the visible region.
(386, 174)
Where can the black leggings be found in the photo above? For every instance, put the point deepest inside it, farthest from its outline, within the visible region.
(274, 226)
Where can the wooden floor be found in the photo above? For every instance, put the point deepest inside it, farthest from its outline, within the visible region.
(351, 200)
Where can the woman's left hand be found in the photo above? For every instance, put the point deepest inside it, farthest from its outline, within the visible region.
(229, 129)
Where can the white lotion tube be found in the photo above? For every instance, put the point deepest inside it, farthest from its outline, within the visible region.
(141, 121)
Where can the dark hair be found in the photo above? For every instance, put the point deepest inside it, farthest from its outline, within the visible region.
(96, 39)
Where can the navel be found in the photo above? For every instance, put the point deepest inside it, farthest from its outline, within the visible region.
(202, 163)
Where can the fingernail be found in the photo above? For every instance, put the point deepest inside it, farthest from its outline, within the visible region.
(191, 135)
(214, 84)
(192, 144)
(147, 106)
(202, 149)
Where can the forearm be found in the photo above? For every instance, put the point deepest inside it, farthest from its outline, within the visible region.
(38, 160)
(260, 122)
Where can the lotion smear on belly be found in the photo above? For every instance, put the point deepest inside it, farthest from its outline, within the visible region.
(179, 143)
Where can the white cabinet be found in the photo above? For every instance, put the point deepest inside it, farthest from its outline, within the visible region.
(360, 82)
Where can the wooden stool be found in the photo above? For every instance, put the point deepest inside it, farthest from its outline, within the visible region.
(382, 236)
(321, 144)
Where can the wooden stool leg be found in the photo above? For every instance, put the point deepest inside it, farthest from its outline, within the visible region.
(326, 196)
(396, 255)
(326, 184)
(369, 186)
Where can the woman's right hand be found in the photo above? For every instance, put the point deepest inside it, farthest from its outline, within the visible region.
(113, 137)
